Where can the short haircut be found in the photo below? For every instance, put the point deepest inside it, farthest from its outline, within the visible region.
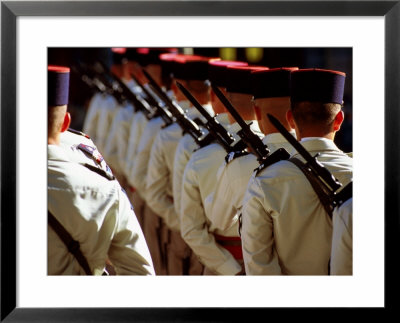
(55, 119)
(316, 115)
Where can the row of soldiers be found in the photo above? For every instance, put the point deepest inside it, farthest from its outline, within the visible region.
(203, 148)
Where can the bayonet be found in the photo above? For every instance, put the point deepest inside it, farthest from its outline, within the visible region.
(216, 130)
(187, 125)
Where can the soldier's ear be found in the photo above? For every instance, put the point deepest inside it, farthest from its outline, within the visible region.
(66, 122)
(257, 110)
(338, 121)
(290, 119)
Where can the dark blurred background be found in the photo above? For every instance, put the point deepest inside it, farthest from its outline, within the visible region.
(340, 59)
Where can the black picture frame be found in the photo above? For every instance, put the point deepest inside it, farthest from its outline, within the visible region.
(10, 10)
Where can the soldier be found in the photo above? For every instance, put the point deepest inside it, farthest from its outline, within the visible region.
(191, 71)
(101, 100)
(218, 250)
(109, 110)
(285, 228)
(271, 94)
(88, 204)
(187, 145)
(149, 60)
(151, 222)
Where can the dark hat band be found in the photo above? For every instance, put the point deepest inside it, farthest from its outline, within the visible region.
(57, 85)
(217, 71)
(238, 78)
(317, 85)
(271, 83)
(191, 68)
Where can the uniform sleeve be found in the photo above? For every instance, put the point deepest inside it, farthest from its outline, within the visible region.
(194, 228)
(138, 170)
(182, 156)
(128, 250)
(105, 120)
(123, 135)
(111, 142)
(342, 241)
(136, 128)
(158, 197)
(259, 255)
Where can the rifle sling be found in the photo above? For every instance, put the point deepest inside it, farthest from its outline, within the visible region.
(316, 185)
(345, 194)
(71, 244)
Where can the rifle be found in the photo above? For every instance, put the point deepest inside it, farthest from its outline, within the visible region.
(91, 79)
(125, 91)
(216, 130)
(313, 169)
(157, 104)
(187, 125)
(248, 137)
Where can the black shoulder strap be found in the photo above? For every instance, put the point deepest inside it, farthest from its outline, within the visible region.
(71, 244)
(323, 196)
(276, 156)
(345, 194)
(100, 171)
(235, 154)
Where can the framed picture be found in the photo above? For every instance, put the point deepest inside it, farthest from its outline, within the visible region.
(372, 29)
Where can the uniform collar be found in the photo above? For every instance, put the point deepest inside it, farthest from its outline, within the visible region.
(234, 127)
(184, 104)
(276, 138)
(192, 112)
(317, 144)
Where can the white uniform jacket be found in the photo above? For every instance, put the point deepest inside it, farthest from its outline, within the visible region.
(232, 181)
(342, 240)
(199, 182)
(136, 127)
(81, 149)
(285, 229)
(96, 213)
(138, 171)
(117, 141)
(92, 115)
(108, 110)
(160, 172)
(183, 152)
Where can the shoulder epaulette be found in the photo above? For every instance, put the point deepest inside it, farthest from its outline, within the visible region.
(80, 133)
(277, 155)
(100, 171)
(92, 152)
(235, 154)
